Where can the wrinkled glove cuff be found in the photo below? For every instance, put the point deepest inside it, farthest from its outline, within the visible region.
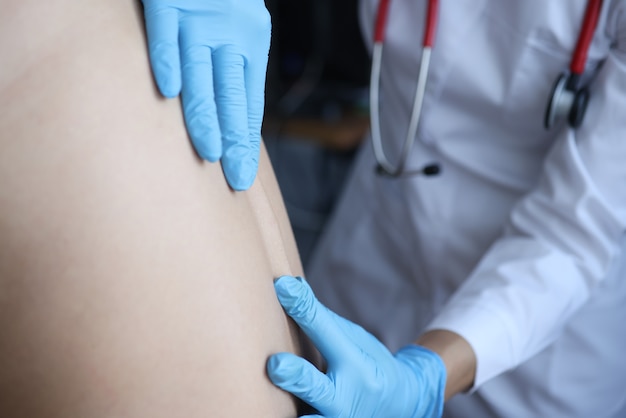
(430, 373)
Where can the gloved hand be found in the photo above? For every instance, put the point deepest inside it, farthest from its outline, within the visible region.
(363, 380)
(218, 51)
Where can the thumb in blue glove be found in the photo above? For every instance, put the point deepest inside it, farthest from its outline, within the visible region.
(363, 379)
(216, 51)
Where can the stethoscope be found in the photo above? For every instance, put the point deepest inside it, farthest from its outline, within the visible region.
(568, 99)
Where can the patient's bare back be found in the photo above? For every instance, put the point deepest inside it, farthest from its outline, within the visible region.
(133, 281)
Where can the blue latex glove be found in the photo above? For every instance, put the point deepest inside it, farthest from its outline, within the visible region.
(363, 379)
(217, 52)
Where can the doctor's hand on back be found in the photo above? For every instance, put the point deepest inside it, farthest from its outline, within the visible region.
(363, 379)
(215, 53)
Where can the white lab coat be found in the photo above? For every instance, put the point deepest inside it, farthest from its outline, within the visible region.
(518, 244)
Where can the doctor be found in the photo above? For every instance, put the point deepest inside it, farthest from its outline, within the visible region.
(509, 263)
(485, 261)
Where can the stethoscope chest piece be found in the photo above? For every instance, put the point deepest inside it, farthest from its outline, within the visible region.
(566, 101)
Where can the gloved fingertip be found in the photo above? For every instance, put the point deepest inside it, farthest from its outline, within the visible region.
(281, 369)
(273, 363)
(240, 180)
(169, 87)
(240, 169)
(210, 157)
(167, 71)
(289, 288)
(204, 137)
(285, 277)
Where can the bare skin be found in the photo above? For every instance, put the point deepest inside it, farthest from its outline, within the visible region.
(133, 281)
(457, 355)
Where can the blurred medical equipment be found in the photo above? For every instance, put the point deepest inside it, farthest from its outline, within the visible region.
(568, 98)
(384, 167)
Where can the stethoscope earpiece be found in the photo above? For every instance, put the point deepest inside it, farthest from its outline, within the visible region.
(380, 170)
(432, 169)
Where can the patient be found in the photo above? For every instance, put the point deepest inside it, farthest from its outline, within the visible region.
(133, 282)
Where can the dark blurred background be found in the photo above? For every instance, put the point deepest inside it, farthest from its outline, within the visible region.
(316, 108)
(317, 56)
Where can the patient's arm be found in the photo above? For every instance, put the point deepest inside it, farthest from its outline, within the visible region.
(133, 282)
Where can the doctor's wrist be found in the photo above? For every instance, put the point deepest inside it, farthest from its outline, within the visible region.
(457, 355)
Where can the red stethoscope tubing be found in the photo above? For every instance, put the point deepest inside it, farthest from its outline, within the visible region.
(577, 67)
(384, 166)
(381, 21)
(579, 59)
(431, 22)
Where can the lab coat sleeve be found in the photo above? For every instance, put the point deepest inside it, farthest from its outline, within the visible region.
(560, 239)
